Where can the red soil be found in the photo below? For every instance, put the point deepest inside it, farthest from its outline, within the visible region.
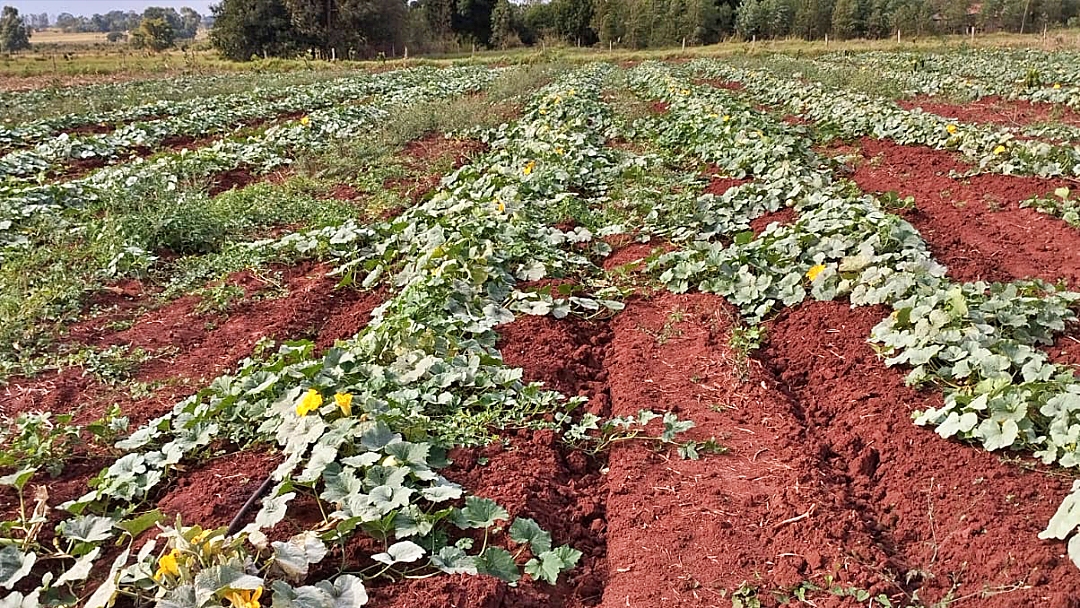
(435, 146)
(632, 255)
(993, 109)
(973, 225)
(718, 185)
(729, 85)
(783, 217)
(957, 514)
(239, 178)
(659, 107)
(421, 154)
(199, 347)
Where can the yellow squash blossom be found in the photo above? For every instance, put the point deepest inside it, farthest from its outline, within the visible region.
(686, 91)
(311, 401)
(344, 401)
(501, 206)
(1057, 85)
(168, 565)
(244, 598)
(951, 129)
(999, 150)
(727, 117)
(529, 166)
(305, 121)
(559, 151)
(543, 110)
(815, 271)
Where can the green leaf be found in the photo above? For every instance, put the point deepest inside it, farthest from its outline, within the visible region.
(142, 523)
(545, 568)
(18, 479)
(379, 436)
(497, 562)
(14, 565)
(525, 530)
(453, 560)
(479, 513)
(87, 528)
(80, 569)
(216, 579)
(294, 557)
(400, 552)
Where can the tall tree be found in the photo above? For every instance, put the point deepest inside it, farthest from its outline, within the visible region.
(847, 22)
(14, 33)
(154, 33)
(190, 20)
(249, 28)
(502, 25)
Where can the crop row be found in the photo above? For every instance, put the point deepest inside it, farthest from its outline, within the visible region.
(978, 342)
(1013, 74)
(853, 115)
(364, 425)
(277, 146)
(193, 118)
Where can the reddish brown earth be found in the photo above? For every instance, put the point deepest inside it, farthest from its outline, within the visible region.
(973, 225)
(995, 110)
(783, 217)
(957, 514)
(197, 347)
(421, 155)
(730, 85)
(719, 184)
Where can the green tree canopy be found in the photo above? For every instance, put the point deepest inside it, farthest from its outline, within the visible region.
(14, 33)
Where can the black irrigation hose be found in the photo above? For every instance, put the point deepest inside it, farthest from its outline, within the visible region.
(238, 521)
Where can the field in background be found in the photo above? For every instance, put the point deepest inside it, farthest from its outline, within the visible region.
(84, 58)
(760, 324)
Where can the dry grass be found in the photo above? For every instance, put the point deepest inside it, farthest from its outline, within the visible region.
(80, 58)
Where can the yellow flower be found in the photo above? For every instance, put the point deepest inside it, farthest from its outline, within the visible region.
(344, 401)
(727, 117)
(305, 121)
(501, 206)
(686, 91)
(543, 110)
(951, 129)
(815, 271)
(244, 598)
(529, 166)
(1057, 85)
(167, 565)
(570, 93)
(999, 150)
(311, 401)
(714, 115)
(559, 151)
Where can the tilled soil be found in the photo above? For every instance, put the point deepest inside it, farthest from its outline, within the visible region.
(995, 110)
(973, 225)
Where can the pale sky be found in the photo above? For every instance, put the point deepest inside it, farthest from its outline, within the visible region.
(89, 7)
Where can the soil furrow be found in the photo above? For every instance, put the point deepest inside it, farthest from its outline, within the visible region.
(963, 520)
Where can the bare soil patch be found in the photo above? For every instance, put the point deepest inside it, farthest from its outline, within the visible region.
(974, 225)
(995, 110)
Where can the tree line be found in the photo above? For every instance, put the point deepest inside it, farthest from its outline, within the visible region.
(368, 28)
(156, 28)
(354, 29)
